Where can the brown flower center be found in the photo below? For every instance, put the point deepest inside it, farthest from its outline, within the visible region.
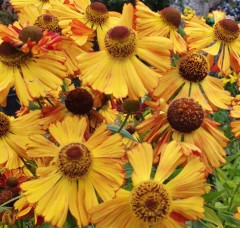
(130, 106)
(97, 13)
(226, 30)
(194, 68)
(151, 202)
(31, 32)
(49, 22)
(79, 101)
(10, 56)
(4, 124)
(12, 182)
(75, 160)
(120, 41)
(185, 115)
(171, 16)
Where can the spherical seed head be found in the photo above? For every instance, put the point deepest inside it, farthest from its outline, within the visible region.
(171, 16)
(74, 160)
(226, 30)
(49, 22)
(79, 101)
(130, 106)
(185, 115)
(194, 68)
(120, 41)
(97, 13)
(31, 32)
(150, 202)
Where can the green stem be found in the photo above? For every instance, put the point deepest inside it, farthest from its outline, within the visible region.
(233, 195)
(11, 200)
(124, 122)
(25, 163)
(39, 103)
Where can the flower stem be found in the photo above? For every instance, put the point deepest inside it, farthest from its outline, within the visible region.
(124, 122)
(27, 166)
(11, 200)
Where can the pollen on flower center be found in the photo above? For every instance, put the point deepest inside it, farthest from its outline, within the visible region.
(171, 16)
(10, 56)
(97, 12)
(150, 202)
(185, 115)
(48, 21)
(79, 101)
(120, 41)
(226, 30)
(4, 124)
(75, 160)
(194, 68)
(31, 32)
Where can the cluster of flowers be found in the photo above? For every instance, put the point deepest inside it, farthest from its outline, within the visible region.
(68, 154)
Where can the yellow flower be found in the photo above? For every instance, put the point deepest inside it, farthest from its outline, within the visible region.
(163, 23)
(14, 137)
(41, 4)
(191, 79)
(184, 120)
(118, 70)
(237, 214)
(94, 15)
(155, 202)
(77, 102)
(232, 78)
(80, 171)
(221, 41)
(32, 74)
(32, 15)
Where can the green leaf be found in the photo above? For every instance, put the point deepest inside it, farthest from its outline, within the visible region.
(212, 195)
(123, 132)
(231, 158)
(211, 216)
(229, 218)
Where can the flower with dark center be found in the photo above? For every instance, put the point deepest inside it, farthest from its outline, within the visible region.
(171, 16)
(226, 30)
(221, 42)
(48, 21)
(194, 68)
(162, 23)
(184, 120)
(185, 115)
(190, 78)
(97, 12)
(150, 202)
(120, 42)
(11, 56)
(74, 160)
(79, 101)
(81, 170)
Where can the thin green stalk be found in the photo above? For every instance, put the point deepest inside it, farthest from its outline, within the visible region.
(39, 103)
(11, 200)
(124, 122)
(233, 195)
(24, 162)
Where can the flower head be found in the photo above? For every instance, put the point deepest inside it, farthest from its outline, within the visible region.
(80, 169)
(155, 202)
